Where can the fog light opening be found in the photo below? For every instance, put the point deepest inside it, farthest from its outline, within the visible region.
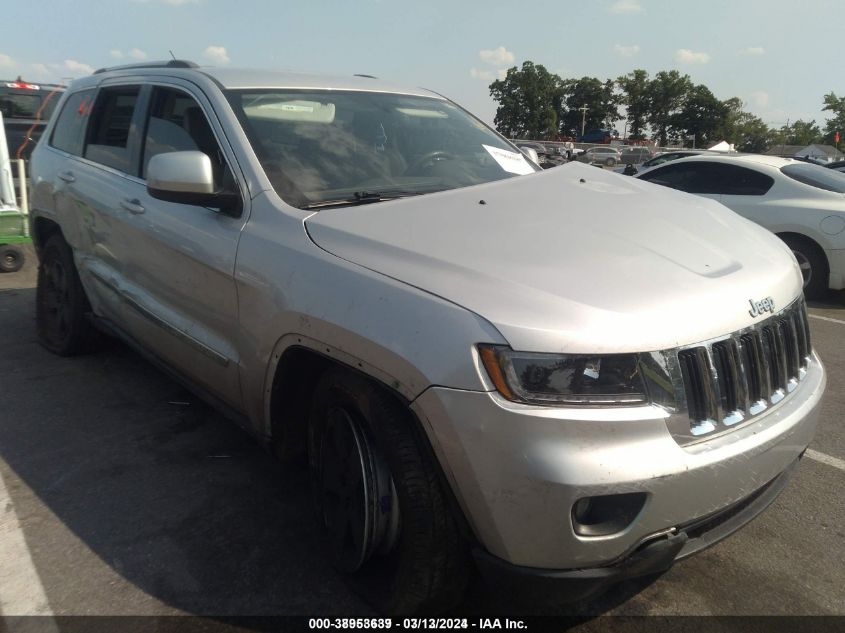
(606, 514)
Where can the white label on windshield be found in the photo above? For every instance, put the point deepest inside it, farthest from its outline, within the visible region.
(511, 162)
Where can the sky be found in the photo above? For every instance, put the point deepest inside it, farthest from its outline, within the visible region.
(779, 56)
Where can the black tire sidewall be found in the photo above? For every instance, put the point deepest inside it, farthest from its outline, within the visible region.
(80, 334)
(401, 581)
(818, 285)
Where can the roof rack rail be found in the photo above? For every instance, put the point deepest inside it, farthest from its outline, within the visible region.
(170, 63)
(362, 75)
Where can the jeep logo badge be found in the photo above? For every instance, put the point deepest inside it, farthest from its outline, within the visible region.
(759, 307)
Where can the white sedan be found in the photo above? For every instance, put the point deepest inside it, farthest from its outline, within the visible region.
(803, 204)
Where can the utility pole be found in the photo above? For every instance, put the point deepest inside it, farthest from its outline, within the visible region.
(584, 110)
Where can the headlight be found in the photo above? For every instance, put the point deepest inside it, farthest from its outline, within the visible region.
(564, 379)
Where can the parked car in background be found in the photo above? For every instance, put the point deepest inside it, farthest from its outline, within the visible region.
(540, 154)
(26, 109)
(479, 362)
(600, 156)
(635, 155)
(664, 157)
(597, 136)
(537, 147)
(812, 160)
(803, 204)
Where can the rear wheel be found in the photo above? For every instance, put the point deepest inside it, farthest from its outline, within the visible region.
(610, 162)
(11, 258)
(60, 303)
(379, 498)
(813, 265)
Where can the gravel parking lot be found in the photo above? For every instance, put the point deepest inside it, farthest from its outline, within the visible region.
(121, 493)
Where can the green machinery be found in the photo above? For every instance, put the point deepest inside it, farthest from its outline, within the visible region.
(13, 218)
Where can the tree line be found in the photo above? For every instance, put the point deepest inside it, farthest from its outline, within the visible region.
(668, 107)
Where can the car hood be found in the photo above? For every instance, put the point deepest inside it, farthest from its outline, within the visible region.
(573, 259)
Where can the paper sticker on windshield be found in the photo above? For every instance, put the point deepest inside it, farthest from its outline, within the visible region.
(511, 162)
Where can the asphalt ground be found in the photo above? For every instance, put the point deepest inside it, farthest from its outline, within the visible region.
(122, 494)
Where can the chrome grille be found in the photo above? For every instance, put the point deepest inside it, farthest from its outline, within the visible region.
(732, 379)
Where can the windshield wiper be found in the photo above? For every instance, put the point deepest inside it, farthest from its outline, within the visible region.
(363, 197)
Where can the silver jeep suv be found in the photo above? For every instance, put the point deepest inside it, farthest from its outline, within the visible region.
(480, 362)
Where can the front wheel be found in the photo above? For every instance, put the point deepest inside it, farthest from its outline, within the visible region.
(610, 162)
(813, 265)
(382, 507)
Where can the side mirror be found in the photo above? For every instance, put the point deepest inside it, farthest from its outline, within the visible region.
(188, 178)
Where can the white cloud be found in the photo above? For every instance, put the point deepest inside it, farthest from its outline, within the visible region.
(72, 67)
(216, 54)
(115, 54)
(488, 75)
(40, 70)
(686, 56)
(626, 51)
(754, 50)
(626, 6)
(6, 61)
(759, 98)
(497, 57)
(137, 53)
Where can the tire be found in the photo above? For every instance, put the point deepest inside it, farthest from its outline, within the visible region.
(370, 462)
(60, 303)
(610, 162)
(11, 258)
(813, 264)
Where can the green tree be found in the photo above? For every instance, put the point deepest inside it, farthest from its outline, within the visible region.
(747, 132)
(701, 114)
(635, 97)
(666, 94)
(836, 106)
(752, 134)
(800, 133)
(529, 100)
(598, 96)
(727, 128)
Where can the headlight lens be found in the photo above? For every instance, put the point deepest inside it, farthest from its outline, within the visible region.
(564, 379)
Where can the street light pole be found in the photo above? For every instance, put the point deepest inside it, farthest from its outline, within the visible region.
(583, 109)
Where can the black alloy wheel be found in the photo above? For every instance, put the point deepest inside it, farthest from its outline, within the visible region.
(358, 499)
(381, 502)
(61, 306)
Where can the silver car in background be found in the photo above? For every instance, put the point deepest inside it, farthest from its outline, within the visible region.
(601, 156)
(479, 361)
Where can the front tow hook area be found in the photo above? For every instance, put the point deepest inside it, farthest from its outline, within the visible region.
(533, 585)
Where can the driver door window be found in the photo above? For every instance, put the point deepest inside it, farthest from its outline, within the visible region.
(177, 123)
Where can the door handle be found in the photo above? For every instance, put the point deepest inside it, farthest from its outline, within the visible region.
(133, 205)
(67, 176)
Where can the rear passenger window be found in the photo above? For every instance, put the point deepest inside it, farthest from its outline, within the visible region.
(111, 121)
(69, 133)
(733, 180)
(674, 176)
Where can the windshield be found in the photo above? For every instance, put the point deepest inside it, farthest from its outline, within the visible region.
(322, 146)
(816, 176)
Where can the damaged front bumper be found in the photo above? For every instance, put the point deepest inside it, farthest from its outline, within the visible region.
(518, 472)
(654, 556)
